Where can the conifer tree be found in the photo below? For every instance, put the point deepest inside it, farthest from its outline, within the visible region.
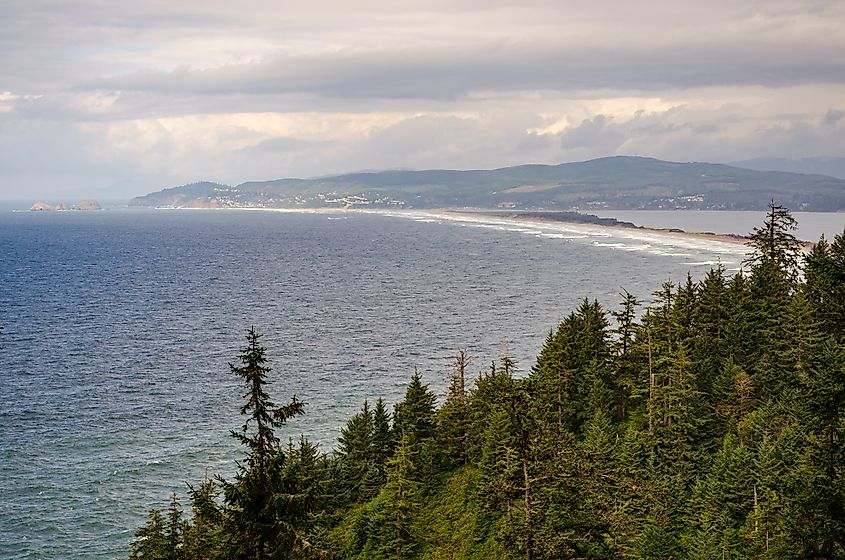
(573, 361)
(414, 416)
(453, 416)
(499, 467)
(721, 502)
(253, 526)
(298, 496)
(709, 347)
(381, 449)
(151, 540)
(733, 395)
(774, 244)
(492, 391)
(174, 530)
(625, 377)
(354, 453)
(824, 270)
(767, 524)
(202, 534)
(821, 502)
(392, 520)
(741, 338)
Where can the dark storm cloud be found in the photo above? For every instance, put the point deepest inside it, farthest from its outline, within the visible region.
(434, 50)
(498, 67)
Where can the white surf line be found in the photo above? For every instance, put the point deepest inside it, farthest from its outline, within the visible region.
(654, 242)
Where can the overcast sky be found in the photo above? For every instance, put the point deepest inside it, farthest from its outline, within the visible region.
(115, 99)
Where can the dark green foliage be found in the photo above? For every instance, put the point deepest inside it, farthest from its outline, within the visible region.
(824, 269)
(709, 426)
(382, 445)
(392, 533)
(499, 466)
(625, 379)
(202, 534)
(151, 540)
(572, 369)
(258, 499)
(453, 417)
(820, 501)
(414, 416)
(354, 455)
(775, 243)
(415, 422)
(174, 529)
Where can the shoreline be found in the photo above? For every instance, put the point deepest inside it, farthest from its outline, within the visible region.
(517, 218)
(623, 227)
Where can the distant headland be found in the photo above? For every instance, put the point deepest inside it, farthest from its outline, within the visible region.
(612, 183)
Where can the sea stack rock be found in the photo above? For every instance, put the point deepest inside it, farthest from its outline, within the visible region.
(87, 205)
(42, 207)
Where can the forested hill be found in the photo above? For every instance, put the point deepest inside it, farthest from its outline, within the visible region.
(708, 425)
(613, 182)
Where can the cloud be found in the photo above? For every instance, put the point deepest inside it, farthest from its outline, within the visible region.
(833, 117)
(99, 95)
(592, 133)
(499, 66)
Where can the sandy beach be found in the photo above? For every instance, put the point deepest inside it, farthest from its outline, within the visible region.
(543, 219)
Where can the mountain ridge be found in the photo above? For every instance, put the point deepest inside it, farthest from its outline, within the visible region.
(613, 182)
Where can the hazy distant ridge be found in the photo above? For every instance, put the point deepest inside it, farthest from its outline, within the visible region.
(614, 182)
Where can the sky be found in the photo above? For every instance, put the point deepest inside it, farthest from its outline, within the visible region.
(116, 99)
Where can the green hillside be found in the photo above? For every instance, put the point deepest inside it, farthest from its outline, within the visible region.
(613, 182)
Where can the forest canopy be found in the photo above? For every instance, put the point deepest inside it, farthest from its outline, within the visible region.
(707, 424)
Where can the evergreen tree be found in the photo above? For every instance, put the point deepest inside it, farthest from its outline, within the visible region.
(414, 416)
(741, 338)
(298, 496)
(625, 378)
(253, 526)
(381, 449)
(453, 416)
(821, 501)
(571, 366)
(499, 466)
(824, 270)
(774, 243)
(766, 526)
(151, 540)
(202, 534)
(174, 530)
(709, 347)
(492, 393)
(721, 502)
(354, 454)
(392, 520)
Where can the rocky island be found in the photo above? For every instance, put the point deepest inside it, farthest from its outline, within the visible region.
(87, 204)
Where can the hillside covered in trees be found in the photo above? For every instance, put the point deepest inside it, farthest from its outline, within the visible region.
(618, 182)
(708, 425)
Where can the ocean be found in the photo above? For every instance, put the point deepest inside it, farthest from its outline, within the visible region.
(118, 327)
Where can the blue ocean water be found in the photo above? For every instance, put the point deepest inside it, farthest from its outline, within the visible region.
(118, 327)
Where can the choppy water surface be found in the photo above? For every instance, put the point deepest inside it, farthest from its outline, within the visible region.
(118, 326)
